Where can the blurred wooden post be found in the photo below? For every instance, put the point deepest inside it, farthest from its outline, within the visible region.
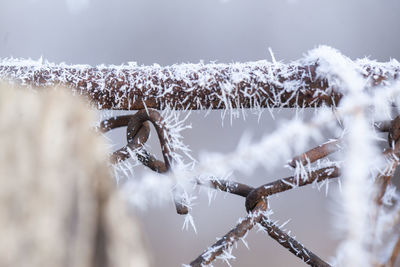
(58, 204)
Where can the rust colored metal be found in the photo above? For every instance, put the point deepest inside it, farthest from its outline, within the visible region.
(229, 186)
(394, 131)
(231, 237)
(392, 154)
(395, 253)
(292, 245)
(316, 153)
(135, 124)
(135, 88)
(124, 88)
(383, 126)
(383, 180)
(138, 130)
(136, 137)
(139, 139)
(213, 86)
(257, 199)
(114, 122)
(193, 86)
(285, 184)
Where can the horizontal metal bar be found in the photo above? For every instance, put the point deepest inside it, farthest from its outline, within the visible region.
(193, 86)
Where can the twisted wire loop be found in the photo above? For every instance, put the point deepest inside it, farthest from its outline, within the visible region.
(256, 199)
(256, 205)
(137, 134)
(256, 202)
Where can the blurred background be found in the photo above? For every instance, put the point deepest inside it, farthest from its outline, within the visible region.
(176, 31)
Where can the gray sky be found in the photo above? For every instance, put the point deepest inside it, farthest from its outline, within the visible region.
(174, 31)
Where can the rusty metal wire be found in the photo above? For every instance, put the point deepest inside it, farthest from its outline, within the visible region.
(392, 154)
(192, 86)
(395, 253)
(201, 86)
(316, 153)
(256, 199)
(226, 242)
(285, 184)
(383, 180)
(137, 134)
(292, 244)
(228, 186)
(256, 205)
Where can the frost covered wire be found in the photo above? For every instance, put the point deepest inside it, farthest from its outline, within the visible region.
(316, 153)
(290, 243)
(259, 84)
(364, 87)
(358, 100)
(289, 138)
(361, 155)
(278, 186)
(222, 249)
(138, 131)
(266, 190)
(386, 219)
(386, 235)
(175, 124)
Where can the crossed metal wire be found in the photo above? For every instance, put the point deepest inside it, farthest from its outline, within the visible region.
(137, 133)
(256, 199)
